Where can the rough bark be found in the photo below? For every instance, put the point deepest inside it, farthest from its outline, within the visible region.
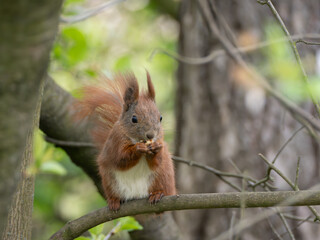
(19, 225)
(214, 121)
(27, 32)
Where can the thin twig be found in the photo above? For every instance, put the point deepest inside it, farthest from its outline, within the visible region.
(307, 42)
(296, 218)
(211, 169)
(273, 229)
(291, 184)
(297, 175)
(309, 128)
(267, 177)
(113, 231)
(250, 221)
(286, 143)
(234, 165)
(277, 170)
(296, 227)
(286, 225)
(292, 107)
(218, 53)
(295, 51)
(223, 23)
(229, 183)
(68, 143)
(90, 13)
(233, 219)
(243, 206)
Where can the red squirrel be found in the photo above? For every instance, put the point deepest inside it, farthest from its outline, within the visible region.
(134, 161)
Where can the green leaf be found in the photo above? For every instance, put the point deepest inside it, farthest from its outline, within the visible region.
(39, 145)
(53, 167)
(101, 237)
(67, 2)
(129, 224)
(72, 46)
(82, 238)
(96, 230)
(123, 63)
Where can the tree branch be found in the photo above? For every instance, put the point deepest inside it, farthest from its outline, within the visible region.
(250, 221)
(75, 228)
(289, 182)
(247, 49)
(89, 13)
(56, 121)
(295, 51)
(295, 110)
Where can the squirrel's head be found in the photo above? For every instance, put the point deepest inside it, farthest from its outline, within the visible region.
(141, 117)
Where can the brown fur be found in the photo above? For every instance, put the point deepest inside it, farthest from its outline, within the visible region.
(122, 143)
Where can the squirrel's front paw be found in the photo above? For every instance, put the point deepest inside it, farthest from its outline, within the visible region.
(155, 197)
(154, 147)
(142, 147)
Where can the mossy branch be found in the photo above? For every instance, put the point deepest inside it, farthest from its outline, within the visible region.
(76, 227)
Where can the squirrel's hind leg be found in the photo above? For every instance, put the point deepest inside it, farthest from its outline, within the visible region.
(114, 203)
(155, 197)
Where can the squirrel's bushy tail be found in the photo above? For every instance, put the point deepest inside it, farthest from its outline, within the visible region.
(103, 104)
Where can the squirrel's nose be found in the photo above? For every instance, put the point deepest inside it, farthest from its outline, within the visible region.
(150, 135)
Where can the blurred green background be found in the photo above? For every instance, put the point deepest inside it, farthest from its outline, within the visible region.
(121, 38)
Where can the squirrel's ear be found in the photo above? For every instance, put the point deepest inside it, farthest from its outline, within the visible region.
(131, 94)
(151, 92)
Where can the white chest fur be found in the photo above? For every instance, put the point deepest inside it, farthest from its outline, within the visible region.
(135, 182)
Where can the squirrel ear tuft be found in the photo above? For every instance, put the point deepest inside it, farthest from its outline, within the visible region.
(151, 93)
(131, 94)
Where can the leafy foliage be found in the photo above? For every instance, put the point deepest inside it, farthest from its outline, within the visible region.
(123, 224)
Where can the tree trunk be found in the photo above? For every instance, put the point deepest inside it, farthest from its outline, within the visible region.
(215, 120)
(27, 31)
(20, 214)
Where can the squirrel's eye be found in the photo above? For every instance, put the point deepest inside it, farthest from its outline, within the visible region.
(134, 119)
(160, 118)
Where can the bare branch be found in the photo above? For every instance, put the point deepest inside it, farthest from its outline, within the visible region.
(68, 143)
(267, 177)
(290, 183)
(233, 217)
(307, 42)
(299, 224)
(286, 225)
(274, 230)
(75, 228)
(210, 169)
(286, 143)
(247, 49)
(296, 218)
(90, 13)
(295, 51)
(113, 231)
(297, 175)
(263, 83)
